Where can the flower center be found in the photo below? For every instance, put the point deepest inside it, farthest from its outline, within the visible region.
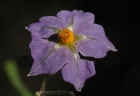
(66, 36)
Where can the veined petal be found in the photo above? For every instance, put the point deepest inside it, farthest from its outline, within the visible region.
(46, 32)
(92, 48)
(66, 16)
(45, 26)
(39, 54)
(37, 45)
(35, 28)
(82, 18)
(97, 32)
(52, 21)
(40, 30)
(77, 74)
(53, 63)
(51, 24)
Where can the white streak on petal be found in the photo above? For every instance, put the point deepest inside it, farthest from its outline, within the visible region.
(115, 50)
(70, 28)
(28, 75)
(26, 27)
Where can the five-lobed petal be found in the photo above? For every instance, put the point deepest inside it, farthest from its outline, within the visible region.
(50, 55)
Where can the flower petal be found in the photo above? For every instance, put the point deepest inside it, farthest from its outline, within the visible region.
(82, 18)
(38, 29)
(39, 53)
(77, 74)
(66, 16)
(37, 44)
(52, 21)
(97, 32)
(42, 27)
(35, 28)
(92, 48)
(53, 63)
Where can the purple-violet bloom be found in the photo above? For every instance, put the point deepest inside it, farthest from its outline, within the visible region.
(56, 42)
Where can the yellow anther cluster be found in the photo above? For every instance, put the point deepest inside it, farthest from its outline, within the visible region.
(66, 36)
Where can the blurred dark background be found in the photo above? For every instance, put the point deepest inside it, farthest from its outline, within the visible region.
(118, 74)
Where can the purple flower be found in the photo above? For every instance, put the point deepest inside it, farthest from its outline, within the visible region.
(56, 42)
